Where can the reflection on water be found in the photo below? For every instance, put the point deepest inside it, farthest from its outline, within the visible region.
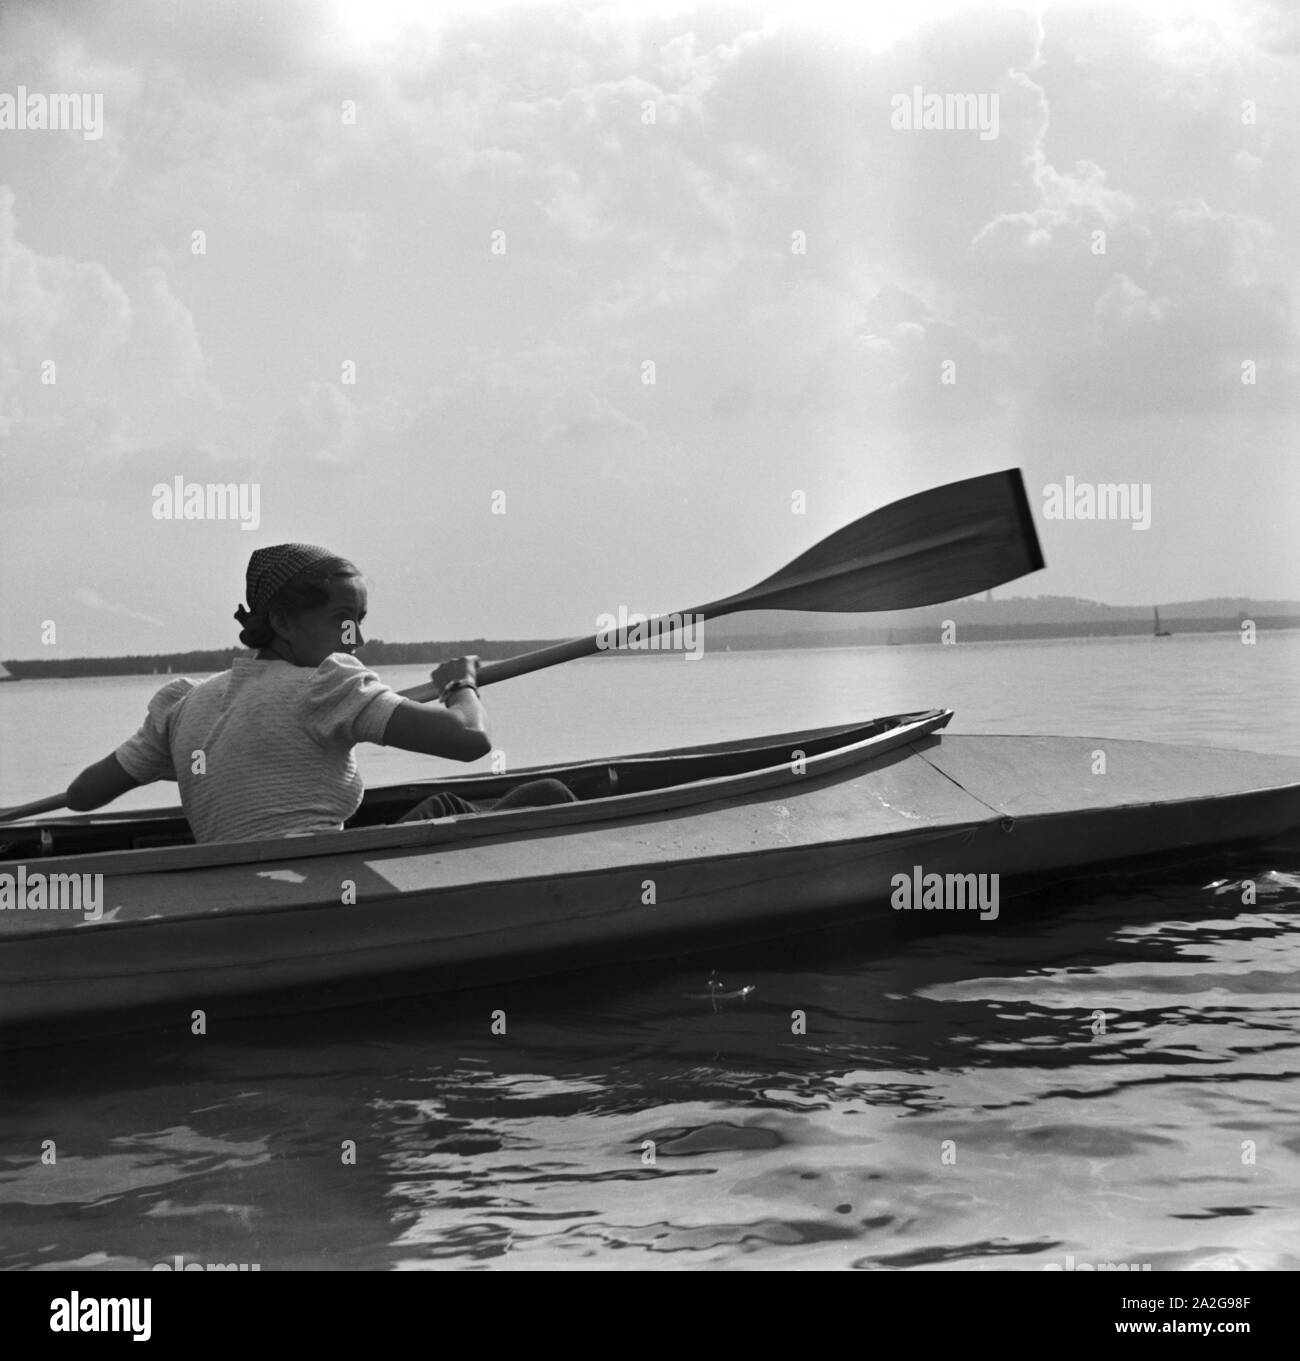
(1108, 1075)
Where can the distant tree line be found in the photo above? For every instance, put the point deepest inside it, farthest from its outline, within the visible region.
(999, 632)
(378, 653)
(991, 633)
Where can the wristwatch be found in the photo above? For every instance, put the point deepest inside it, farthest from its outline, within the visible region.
(455, 685)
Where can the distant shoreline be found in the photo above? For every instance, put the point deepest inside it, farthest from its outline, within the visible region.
(416, 654)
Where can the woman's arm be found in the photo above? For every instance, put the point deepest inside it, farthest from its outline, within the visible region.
(456, 729)
(99, 784)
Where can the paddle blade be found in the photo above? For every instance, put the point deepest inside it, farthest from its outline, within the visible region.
(938, 545)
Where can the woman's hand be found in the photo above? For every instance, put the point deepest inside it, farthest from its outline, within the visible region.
(458, 668)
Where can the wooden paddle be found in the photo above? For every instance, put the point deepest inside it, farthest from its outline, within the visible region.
(27, 810)
(938, 545)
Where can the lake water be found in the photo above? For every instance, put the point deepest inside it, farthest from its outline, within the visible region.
(1170, 1139)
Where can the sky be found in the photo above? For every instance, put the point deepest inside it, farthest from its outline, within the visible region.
(536, 311)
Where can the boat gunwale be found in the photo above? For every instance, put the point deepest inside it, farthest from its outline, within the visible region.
(452, 832)
(435, 783)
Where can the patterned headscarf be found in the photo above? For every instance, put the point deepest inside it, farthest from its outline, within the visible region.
(271, 568)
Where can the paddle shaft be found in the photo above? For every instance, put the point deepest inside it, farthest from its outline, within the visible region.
(27, 810)
(491, 672)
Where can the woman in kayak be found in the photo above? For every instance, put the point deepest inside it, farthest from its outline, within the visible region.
(265, 749)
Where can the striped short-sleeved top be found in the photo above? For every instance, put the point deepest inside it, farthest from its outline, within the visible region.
(264, 749)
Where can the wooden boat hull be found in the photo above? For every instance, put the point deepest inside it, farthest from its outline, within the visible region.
(232, 929)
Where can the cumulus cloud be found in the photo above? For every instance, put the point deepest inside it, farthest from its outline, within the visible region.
(321, 426)
(92, 600)
(577, 413)
(717, 193)
(85, 356)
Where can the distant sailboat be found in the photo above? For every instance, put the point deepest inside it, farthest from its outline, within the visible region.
(891, 641)
(1160, 633)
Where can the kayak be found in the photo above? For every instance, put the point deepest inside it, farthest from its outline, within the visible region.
(888, 820)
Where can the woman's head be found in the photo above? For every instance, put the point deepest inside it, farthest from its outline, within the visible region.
(304, 603)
